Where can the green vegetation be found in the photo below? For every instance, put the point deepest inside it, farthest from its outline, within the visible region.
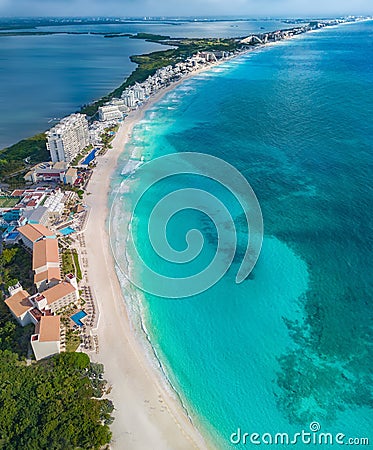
(8, 202)
(70, 263)
(78, 270)
(50, 404)
(96, 373)
(107, 137)
(15, 265)
(81, 155)
(150, 37)
(114, 35)
(67, 262)
(13, 164)
(149, 63)
(12, 336)
(72, 340)
(80, 193)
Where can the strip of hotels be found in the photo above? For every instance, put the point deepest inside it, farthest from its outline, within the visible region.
(48, 216)
(53, 292)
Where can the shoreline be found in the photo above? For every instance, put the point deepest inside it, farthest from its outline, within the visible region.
(177, 430)
(146, 414)
(151, 415)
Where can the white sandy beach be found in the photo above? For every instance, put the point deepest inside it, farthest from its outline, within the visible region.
(146, 415)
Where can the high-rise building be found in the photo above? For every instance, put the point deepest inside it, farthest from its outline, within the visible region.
(129, 98)
(68, 138)
(109, 112)
(114, 110)
(139, 92)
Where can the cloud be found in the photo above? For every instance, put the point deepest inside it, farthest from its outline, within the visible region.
(183, 8)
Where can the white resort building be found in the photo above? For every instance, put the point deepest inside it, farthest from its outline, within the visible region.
(47, 338)
(129, 98)
(28, 308)
(46, 264)
(19, 304)
(68, 138)
(53, 293)
(61, 294)
(109, 112)
(31, 233)
(116, 109)
(139, 92)
(40, 309)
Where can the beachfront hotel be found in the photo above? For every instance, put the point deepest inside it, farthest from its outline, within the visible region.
(27, 308)
(46, 264)
(68, 138)
(19, 304)
(40, 310)
(129, 98)
(31, 233)
(109, 112)
(61, 294)
(116, 109)
(53, 292)
(47, 338)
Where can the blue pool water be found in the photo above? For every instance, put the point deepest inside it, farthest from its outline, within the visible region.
(90, 157)
(13, 235)
(66, 231)
(76, 318)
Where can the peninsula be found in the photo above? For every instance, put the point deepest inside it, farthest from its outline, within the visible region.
(53, 210)
(17, 159)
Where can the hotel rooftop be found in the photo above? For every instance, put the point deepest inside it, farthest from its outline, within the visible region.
(19, 303)
(48, 328)
(34, 232)
(52, 273)
(57, 292)
(45, 251)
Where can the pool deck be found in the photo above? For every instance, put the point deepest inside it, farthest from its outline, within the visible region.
(78, 318)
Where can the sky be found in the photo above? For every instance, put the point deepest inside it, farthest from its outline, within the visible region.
(141, 8)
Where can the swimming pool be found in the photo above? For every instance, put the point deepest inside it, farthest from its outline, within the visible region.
(77, 316)
(90, 157)
(66, 231)
(13, 235)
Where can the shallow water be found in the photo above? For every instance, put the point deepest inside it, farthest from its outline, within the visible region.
(292, 344)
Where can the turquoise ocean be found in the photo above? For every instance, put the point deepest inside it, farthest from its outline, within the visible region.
(292, 344)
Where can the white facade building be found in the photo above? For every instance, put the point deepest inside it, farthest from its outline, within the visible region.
(19, 304)
(55, 204)
(114, 110)
(109, 112)
(139, 92)
(120, 104)
(68, 138)
(47, 338)
(129, 98)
